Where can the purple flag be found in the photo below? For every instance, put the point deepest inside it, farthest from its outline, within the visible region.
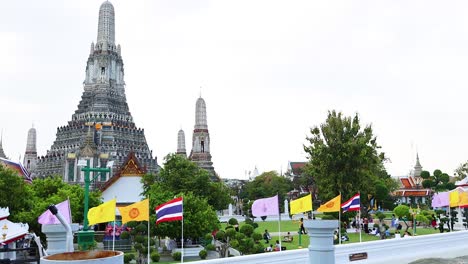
(440, 199)
(47, 218)
(265, 206)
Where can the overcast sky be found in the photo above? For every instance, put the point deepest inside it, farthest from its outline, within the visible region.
(268, 71)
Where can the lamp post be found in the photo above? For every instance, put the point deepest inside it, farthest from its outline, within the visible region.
(86, 237)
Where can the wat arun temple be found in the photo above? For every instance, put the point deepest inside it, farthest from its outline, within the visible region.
(102, 128)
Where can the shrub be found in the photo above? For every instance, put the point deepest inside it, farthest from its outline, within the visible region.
(258, 248)
(257, 236)
(240, 236)
(203, 254)
(231, 232)
(328, 217)
(141, 228)
(251, 222)
(220, 235)
(234, 243)
(155, 257)
(210, 247)
(177, 256)
(124, 235)
(247, 230)
(233, 221)
(128, 257)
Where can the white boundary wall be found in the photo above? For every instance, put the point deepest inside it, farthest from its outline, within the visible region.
(398, 250)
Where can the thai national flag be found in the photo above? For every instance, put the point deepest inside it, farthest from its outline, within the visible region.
(170, 211)
(353, 204)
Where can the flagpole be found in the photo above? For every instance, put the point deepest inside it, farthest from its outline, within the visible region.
(339, 225)
(113, 238)
(339, 222)
(148, 241)
(359, 223)
(182, 259)
(279, 223)
(360, 230)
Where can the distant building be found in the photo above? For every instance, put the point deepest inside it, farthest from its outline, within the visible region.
(181, 144)
(30, 155)
(411, 190)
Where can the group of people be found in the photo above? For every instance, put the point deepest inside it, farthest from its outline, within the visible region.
(267, 238)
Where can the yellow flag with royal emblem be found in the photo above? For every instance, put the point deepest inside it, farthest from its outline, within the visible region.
(454, 198)
(138, 211)
(301, 205)
(334, 205)
(103, 213)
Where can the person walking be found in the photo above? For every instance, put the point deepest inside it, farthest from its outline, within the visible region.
(266, 236)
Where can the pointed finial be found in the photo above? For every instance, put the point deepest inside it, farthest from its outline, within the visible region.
(200, 91)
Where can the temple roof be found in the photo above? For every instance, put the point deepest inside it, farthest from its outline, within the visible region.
(297, 167)
(130, 167)
(16, 166)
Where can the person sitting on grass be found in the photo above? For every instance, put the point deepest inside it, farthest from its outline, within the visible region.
(288, 238)
(277, 246)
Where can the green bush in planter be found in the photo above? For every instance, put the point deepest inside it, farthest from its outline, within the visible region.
(210, 247)
(124, 235)
(128, 257)
(203, 254)
(177, 256)
(155, 257)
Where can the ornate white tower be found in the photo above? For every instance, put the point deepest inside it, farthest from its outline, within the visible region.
(181, 144)
(200, 153)
(30, 156)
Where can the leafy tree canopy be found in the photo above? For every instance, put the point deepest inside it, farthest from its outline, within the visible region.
(462, 171)
(438, 181)
(31, 200)
(268, 184)
(199, 216)
(344, 157)
(180, 175)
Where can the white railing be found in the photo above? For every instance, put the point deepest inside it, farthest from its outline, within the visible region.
(398, 250)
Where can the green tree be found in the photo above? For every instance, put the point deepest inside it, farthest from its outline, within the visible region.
(403, 212)
(268, 184)
(182, 175)
(438, 182)
(14, 193)
(344, 157)
(52, 190)
(199, 217)
(462, 171)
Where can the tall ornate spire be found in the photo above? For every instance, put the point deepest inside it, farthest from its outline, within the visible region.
(200, 114)
(106, 25)
(102, 127)
(181, 143)
(200, 153)
(2, 154)
(417, 167)
(30, 156)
